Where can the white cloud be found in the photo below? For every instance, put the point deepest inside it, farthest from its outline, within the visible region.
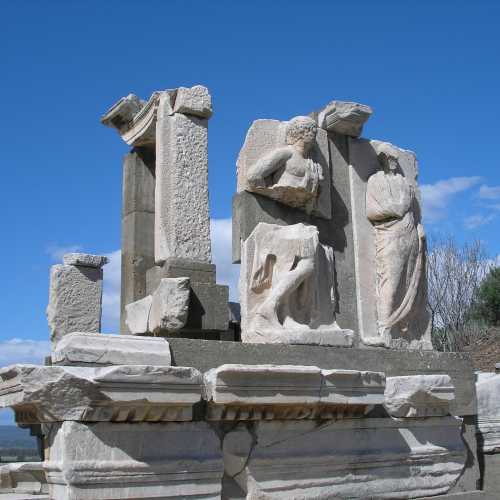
(474, 221)
(111, 293)
(16, 350)
(489, 192)
(436, 197)
(227, 272)
(57, 252)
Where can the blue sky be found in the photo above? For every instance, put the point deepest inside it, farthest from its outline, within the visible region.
(429, 69)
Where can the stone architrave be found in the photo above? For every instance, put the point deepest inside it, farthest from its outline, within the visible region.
(288, 162)
(75, 295)
(389, 247)
(346, 118)
(289, 392)
(349, 458)
(419, 396)
(123, 393)
(287, 288)
(104, 461)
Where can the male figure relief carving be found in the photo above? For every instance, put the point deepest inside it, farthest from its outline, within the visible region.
(287, 173)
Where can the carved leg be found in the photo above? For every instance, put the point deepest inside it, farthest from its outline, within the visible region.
(286, 285)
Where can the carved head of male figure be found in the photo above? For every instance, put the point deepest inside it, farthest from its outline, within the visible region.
(301, 133)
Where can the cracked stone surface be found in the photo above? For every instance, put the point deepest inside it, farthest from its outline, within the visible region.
(283, 460)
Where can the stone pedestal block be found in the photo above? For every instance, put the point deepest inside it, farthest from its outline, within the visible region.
(111, 461)
(75, 296)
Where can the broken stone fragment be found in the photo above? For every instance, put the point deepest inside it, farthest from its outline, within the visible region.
(43, 394)
(137, 315)
(89, 349)
(419, 395)
(193, 101)
(84, 259)
(345, 118)
(121, 114)
(170, 305)
(75, 296)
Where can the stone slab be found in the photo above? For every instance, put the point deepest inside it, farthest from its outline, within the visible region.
(197, 272)
(136, 461)
(488, 412)
(345, 118)
(45, 394)
(137, 315)
(204, 355)
(193, 101)
(87, 349)
(84, 259)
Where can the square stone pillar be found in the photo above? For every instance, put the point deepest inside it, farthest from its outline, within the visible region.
(138, 216)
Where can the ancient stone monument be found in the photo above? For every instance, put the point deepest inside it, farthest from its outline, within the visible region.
(334, 390)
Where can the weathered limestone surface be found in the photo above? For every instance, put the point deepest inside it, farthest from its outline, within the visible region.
(287, 288)
(194, 101)
(104, 461)
(87, 349)
(75, 296)
(84, 259)
(22, 478)
(204, 355)
(169, 305)
(137, 226)
(373, 257)
(44, 394)
(345, 118)
(419, 395)
(182, 226)
(358, 458)
(488, 412)
(263, 392)
(288, 162)
(137, 315)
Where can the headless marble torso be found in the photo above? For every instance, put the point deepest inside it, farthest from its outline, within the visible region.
(285, 175)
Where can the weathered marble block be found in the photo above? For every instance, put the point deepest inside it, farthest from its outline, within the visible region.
(90, 349)
(345, 118)
(75, 296)
(488, 412)
(23, 479)
(111, 461)
(182, 225)
(126, 393)
(419, 395)
(264, 392)
(358, 458)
